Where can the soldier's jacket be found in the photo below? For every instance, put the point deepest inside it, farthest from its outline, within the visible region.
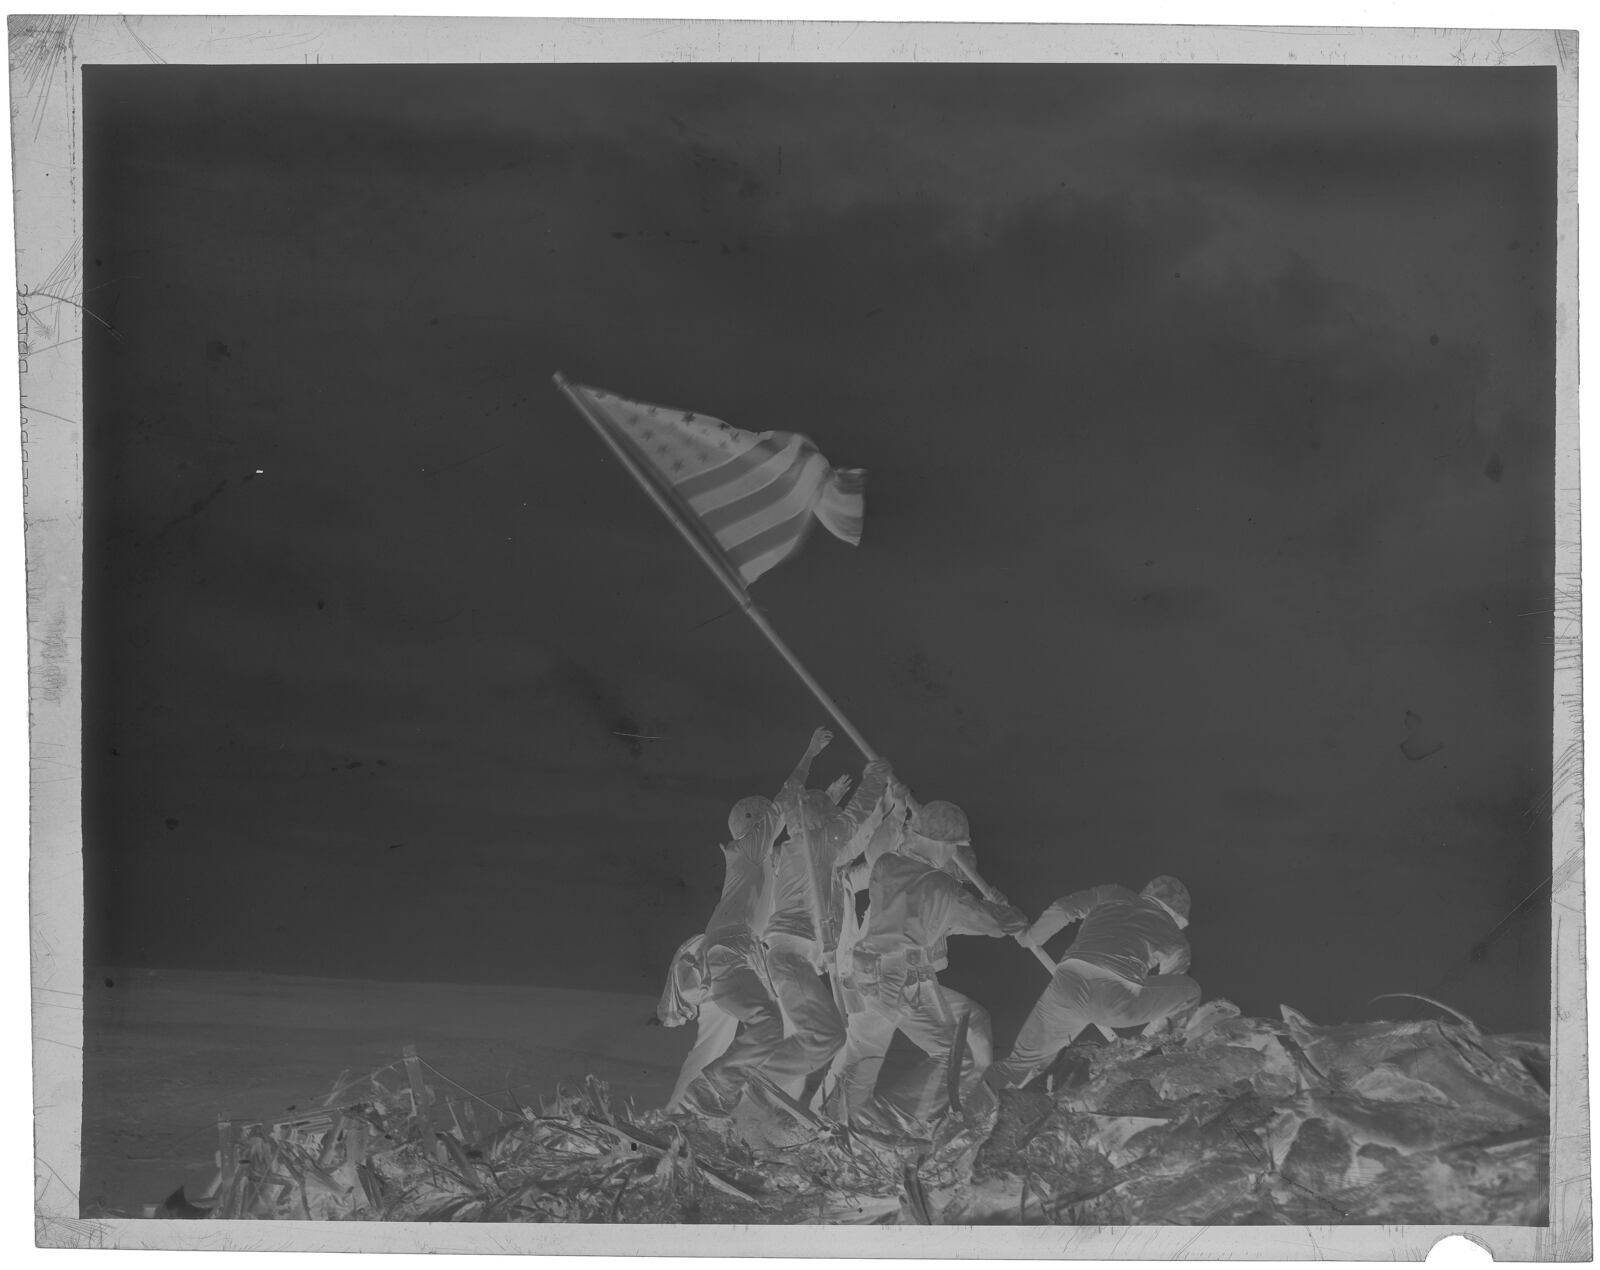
(747, 886)
(913, 909)
(821, 837)
(1123, 932)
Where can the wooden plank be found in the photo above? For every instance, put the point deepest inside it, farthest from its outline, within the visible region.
(958, 1055)
(331, 1142)
(355, 1140)
(420, 1102)
(227, 1166)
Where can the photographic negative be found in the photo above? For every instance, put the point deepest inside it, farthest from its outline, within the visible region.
(1148, 803)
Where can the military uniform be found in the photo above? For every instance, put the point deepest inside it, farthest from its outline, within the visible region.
(893, 976)
(807, 913)
(723, 975)
(1105, 978)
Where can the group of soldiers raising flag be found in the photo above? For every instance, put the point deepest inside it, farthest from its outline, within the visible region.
(792, 983)
(791, 980)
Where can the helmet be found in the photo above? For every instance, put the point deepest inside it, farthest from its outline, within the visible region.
(936, 855)
(746, 812)
(965, 858)
(941, 821)
(1171, 892)
(955, 858)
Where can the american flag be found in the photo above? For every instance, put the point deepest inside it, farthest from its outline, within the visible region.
(755, 495)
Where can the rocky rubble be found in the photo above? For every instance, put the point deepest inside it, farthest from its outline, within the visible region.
(1247, 1121)
(1222, 1120)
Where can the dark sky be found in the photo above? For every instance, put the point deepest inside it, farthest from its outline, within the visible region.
(1208, 414)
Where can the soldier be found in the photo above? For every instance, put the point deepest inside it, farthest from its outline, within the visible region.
(722, 977)
(807, 912)
(1105, 978)
(917, 899)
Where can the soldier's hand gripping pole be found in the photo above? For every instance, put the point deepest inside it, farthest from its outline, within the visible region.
(994, 897)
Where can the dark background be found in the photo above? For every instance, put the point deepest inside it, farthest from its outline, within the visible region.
(1209, 421)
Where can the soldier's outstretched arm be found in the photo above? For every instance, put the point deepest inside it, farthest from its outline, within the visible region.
(1063, 912)
(900, 798)
(967, 862)
(973, 916)
(820, 740)
(789, 796)
(867, 809)
(868, 800)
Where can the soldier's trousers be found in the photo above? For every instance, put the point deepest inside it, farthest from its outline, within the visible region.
(913, 1009)
(740, 1022)
(716, 1030)
(1080, 995)
(816, 1029)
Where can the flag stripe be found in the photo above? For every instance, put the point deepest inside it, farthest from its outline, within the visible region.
(749, 499)
(713, 478)
(802, 499)
(780, 539)
(753, 481)
(727, 522)
(756, 566)
(749, 572)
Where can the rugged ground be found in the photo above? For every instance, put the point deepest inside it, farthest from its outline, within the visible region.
(1223, 1120)
(1249, 1121)
(167, 1052)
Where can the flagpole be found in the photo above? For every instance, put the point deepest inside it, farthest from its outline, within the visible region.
(716, 564)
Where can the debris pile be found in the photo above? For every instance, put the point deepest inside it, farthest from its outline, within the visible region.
(1239, 1121)
(578, 1157)
(1224, 1120)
